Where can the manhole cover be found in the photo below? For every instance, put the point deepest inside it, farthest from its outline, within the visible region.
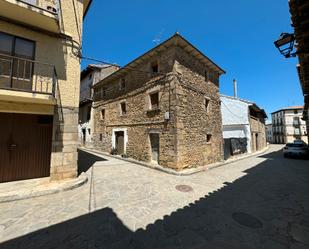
(247, 220)
(184, 188)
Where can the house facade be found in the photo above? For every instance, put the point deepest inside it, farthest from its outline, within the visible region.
(40, 43)
(269, 133)
(162, 108)
(243, 125)
(288, 125)
(91, 75)
(299, 15)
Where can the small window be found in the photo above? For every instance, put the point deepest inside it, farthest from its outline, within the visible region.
(206, 75)
(101, 137)
(208, 138)
(103, 92)
(122, 85)
(123, 108)
(154, 100)
(90, 76)
(88, 113)
(206, 104)
(295, 111)
(89, 131)
(155, 67)
(103, 114)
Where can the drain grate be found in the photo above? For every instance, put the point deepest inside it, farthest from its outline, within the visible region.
(247, 220)
(184, 188)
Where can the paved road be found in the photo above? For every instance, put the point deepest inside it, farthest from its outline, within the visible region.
(259, 202)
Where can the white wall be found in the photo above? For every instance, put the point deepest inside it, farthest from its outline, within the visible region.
(235, 119)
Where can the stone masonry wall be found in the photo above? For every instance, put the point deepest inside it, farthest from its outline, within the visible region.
(182, 92)
(139, 119)
(194, 122)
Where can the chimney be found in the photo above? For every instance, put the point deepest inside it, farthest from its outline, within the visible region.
(235, 88)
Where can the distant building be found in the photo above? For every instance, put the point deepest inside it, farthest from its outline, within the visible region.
(91, 75)
(243, 126)
(288, 125)
(269, 133)
(162, 108)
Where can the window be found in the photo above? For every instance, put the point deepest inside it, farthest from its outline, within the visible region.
(122, 85)
(90, 76)
(206, 75)
(101, 137)
(21, 69)
(123, 108)
(296, 121)
(208, 138)
(154, 100)
(154, 67)
(295, 111)
(88, 112)
(297, 131)
(103, 92)
(206, 104)
(102, 114)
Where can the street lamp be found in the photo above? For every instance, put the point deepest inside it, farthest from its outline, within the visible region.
(285, 44)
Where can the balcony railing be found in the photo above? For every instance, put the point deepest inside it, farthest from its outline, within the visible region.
(51, 6)
(25, 75)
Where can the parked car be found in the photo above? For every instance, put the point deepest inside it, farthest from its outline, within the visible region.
(295, 149)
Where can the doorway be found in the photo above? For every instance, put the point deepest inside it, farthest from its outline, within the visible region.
(155, 145)
(119, 142)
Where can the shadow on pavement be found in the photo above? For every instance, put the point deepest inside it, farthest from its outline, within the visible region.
(86, 160)
(267, 208)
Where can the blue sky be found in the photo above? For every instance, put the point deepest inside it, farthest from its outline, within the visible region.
(238, 35)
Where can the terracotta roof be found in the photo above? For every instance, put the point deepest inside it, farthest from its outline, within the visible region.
(290, 108)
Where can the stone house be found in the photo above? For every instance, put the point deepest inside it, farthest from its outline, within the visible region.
(91, 75)
(40, 43)
(288, 125)
(162, 108)
(243, 125)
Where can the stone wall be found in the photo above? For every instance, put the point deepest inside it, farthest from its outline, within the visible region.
(182, 93)
(194, 122)
(258, 133)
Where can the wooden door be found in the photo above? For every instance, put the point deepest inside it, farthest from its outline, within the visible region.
(25, 146)
(155, 144)
(120, 142)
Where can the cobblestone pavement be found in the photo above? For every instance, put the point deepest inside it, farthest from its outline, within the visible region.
(259, 202)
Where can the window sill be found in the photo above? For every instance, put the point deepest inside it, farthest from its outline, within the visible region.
(153, 111)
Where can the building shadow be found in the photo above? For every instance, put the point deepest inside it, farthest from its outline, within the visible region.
(86, 160)
(258, 210)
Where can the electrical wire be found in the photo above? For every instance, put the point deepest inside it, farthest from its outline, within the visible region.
(231, 111)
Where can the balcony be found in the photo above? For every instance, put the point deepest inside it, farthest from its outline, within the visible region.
(40, 14)
(24, 80)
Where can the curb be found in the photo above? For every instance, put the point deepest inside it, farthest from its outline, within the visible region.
(51, 188)
(185, 172)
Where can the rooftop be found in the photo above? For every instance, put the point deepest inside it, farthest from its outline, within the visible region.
(175, 40)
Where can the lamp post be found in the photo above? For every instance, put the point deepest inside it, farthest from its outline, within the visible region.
(285, 45)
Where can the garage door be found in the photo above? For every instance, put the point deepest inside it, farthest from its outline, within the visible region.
(25, 146)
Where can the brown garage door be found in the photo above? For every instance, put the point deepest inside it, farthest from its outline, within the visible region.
(25, 146)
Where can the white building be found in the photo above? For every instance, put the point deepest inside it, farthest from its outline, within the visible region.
(91, 75)
(288, 125)
(243, 126)
(269, 133)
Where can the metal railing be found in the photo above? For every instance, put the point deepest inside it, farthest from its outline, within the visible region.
(25, 75)
(51, 6)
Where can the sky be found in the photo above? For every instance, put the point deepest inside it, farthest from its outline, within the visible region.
(237, 35)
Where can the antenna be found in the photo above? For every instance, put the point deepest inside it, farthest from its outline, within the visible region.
(157, 38)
